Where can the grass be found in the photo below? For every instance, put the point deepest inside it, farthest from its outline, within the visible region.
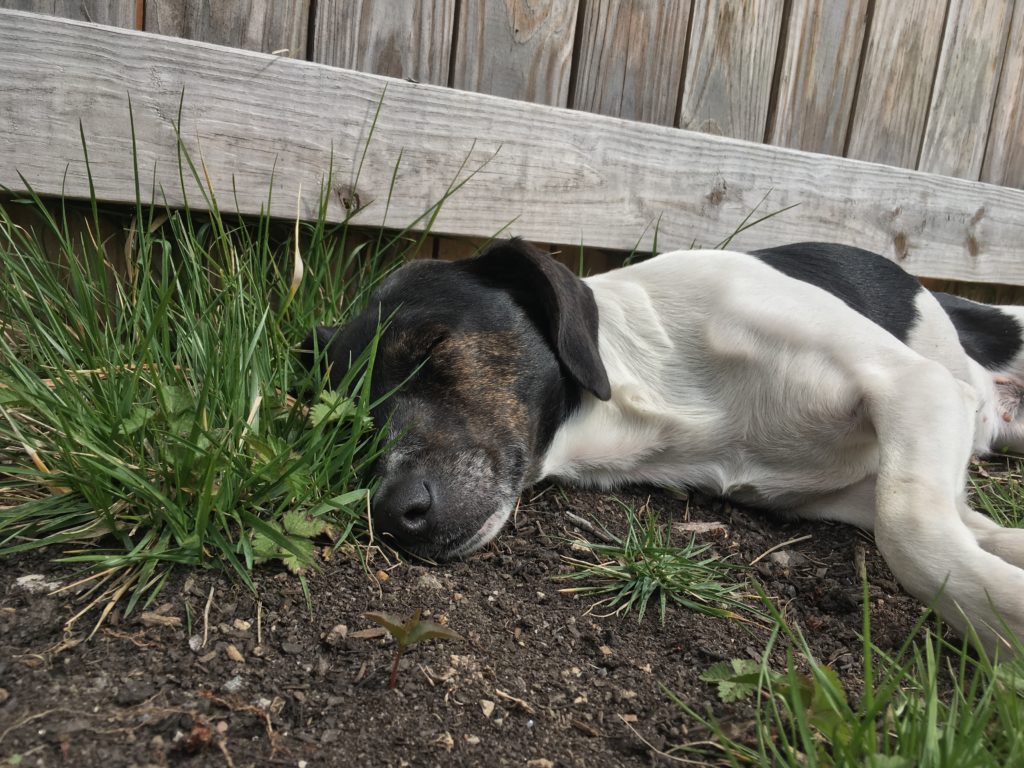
(929, 704)
(997, 491)
(646, 565)
(147, 416)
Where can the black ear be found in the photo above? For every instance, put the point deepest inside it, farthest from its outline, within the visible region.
(321, 341)
(558, 301)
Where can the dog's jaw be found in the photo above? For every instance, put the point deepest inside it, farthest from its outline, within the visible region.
(491, 527)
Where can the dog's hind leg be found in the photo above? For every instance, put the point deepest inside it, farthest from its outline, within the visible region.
(924, 420)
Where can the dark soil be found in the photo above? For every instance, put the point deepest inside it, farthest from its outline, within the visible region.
(539, 680)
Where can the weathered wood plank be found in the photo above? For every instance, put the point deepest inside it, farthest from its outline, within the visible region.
(559, 176)
(256, 25)
(895, 85)
(818, 75)
(965, 87)
(116, 13)
(630, 59)
(535, 38)
(1004, 157)
(730, 66)
(397, 38)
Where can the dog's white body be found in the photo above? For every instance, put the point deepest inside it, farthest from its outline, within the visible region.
(729, 376)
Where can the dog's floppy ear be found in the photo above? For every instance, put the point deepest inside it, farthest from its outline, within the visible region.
(558, 301)
(320, 341)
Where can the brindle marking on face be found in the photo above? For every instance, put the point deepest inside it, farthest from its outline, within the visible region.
(486, 358)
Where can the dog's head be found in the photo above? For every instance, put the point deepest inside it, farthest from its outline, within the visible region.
(487, 356)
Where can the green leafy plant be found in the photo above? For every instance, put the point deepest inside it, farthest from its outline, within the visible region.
(929, 704)
(146, 409)
(647, 565)
(407, 633)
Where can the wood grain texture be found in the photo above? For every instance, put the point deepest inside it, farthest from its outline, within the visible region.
(256, 25)
(818, 76)
(965, 87)
(1004, 157)
(399, 38)
(730, 66)
(519, 49)
(630, 59)
(895, 87)
(116, 13)
(559, 176)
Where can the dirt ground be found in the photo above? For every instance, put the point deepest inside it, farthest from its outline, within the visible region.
(538, 680)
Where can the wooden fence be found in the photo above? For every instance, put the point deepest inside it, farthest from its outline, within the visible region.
(932, 85)
(936, 85)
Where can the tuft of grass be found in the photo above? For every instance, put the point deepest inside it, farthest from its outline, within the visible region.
(646, 565)
(147, 416)
(929, 704)
(997, 490)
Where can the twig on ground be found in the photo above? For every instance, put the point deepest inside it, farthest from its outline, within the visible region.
(654, 749)
(259, 622)
(206, 618)
(777, 547)
(593, 530)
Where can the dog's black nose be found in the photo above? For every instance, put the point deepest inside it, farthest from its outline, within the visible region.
(402, 508)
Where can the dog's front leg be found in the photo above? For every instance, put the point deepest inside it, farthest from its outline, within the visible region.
(924, 419)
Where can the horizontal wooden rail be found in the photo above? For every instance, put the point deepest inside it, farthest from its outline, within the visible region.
(557, 175)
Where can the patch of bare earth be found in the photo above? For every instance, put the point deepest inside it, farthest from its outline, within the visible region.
(539, 680)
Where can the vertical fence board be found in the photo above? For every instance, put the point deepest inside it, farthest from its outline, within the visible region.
(631, 59)
(819, 75)
(733, 44)
(965, 88)
(520, 49)
(114, 13)
(895, 87)
(398, 38)
(1004, 157)
(256, 25)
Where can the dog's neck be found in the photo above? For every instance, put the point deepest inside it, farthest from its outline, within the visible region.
(638, 436)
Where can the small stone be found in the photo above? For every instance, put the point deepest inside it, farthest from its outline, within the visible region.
(487, 707)
(337, 635)
(154, 619)
(292, 648)
(242, 625)
(196, 643)
(134, 692)
(540, 762)
(429, 581)
(234, 654)
(35, 583)
(4, 696)
(234, 685)
(471, 740)
(445, 741)
(382, 576)
(458, 597)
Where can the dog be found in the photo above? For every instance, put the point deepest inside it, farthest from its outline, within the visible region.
(818, 380)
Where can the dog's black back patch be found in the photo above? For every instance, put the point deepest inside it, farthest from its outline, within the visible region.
(987, 334)
(868, 283)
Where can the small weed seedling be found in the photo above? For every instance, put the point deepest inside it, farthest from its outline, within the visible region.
(409, 632)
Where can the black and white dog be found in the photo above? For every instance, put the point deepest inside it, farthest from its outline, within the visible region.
(820, 380)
